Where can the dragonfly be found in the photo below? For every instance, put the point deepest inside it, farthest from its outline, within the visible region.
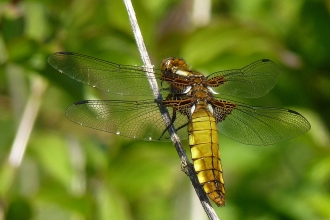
(193, 101)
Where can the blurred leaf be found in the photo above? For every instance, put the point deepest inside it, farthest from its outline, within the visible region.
(12, 26)
(36, 21)
(53, 155)
(110, 205)
(19, 209)
(20, 49)
(53, 198)
(7, 177)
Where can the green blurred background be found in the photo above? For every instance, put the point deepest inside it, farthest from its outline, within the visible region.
(72, 172)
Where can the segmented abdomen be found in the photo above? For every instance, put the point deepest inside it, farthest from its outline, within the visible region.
(203, 141)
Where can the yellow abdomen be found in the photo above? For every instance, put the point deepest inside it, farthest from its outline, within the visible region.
(204, 146)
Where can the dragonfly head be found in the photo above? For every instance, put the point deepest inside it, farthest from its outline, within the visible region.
(174, 65)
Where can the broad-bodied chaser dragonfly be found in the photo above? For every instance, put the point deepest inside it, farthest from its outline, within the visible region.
(192, 101)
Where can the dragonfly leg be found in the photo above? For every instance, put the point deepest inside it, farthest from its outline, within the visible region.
(182, 126)
(172, 121)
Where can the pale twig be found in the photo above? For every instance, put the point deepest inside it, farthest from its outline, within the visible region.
(38, 86)
(167, 119)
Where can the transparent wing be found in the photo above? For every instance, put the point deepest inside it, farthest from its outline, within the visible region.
(134, 119)
(104, 75)
(258, 125)
(252, 81)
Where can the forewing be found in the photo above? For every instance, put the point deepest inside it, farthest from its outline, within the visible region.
(134, 119)
(252, 81)
(259, 125)
(104, 75)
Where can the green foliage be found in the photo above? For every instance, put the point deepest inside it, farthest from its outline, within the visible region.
(71, 172)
